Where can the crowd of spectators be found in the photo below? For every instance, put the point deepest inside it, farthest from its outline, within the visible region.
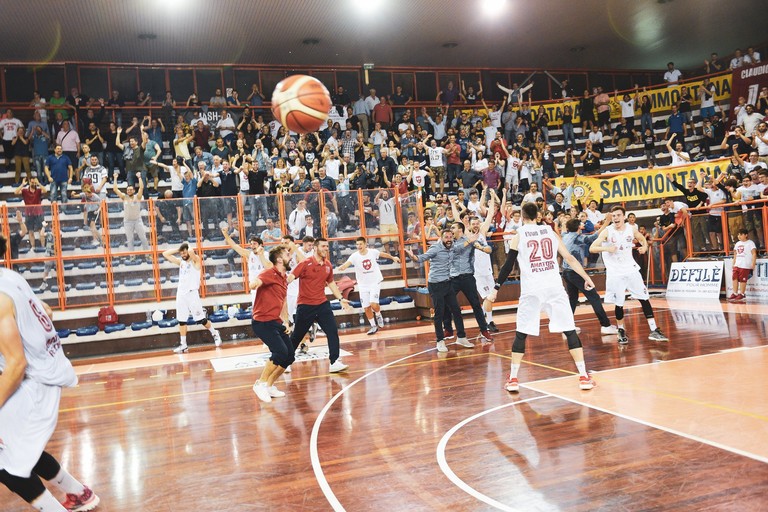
(463, 146)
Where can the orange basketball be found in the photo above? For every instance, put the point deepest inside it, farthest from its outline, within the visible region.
(301, 103)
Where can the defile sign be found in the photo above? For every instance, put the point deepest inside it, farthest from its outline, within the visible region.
(695, 279)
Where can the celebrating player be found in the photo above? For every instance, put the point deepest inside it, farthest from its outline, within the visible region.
(188, 295)
(257, 259)
(622, 273)
(270, 322)
(369, 278)
(536, 249)
(33, 369)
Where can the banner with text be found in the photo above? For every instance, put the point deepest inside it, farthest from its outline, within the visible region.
(639, 185)
(746, 83)
(757, 286)
(695, 279)
(662, 98)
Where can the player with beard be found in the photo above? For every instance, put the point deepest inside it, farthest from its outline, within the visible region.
(270, 322)
(257, 258)
(33, 370)
(622, 273)
(536, 249)
(314, 274)
(188, 294)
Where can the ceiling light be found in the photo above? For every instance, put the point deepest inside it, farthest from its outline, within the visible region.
(493, 7)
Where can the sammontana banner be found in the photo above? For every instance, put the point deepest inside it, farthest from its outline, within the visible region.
(662, 98)
(639, 185)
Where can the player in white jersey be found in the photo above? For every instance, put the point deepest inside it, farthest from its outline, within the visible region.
(622, 273)
(369, 278)
(541, 289)
(33, 369)
(257, 258)
(188, 302)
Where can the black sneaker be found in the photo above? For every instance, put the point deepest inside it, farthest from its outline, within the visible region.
(303, 348)
(492, 327)
(622, 335)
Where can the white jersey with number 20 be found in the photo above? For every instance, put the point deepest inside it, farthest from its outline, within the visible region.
(537, 256)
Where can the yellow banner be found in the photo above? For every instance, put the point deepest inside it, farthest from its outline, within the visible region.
(662, 99)
(640, 185)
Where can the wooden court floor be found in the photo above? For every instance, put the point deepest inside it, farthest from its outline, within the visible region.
(671, 426)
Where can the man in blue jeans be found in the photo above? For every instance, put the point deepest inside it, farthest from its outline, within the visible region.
(59, 171)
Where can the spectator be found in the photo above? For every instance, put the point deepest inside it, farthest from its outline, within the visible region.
(382, 114)
(707, 98)
(59, 171)
(753, 222)
(218, 99)
(10, 128)
(676, 126)
(625, 134)
(533, 194)
(713, 64)
(41, 142)
(751, 120)
(649, 147)
(151, 151)
(760, 142)
(694, 197)
(32, 194)
(752, 57)
(92, 209)
(672, 76)
(587, 112)
(737, 61)
(590, 159)
(226, 127)
(603, 105)
(207, 192)
(132, 222)
(714, 215)
(21, 154)
(679, 157)
(69, 141)
(737, 140)
(449, 95)
(569, 139)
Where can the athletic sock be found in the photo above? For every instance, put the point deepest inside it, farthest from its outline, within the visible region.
(67, 483)
(582, 367)
(46, 502)
(489, 316)
(513, 370)
(652, 324)
(372, 321)
(211, 329)
(183, 340)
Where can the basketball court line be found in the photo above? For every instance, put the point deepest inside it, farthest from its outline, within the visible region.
(448, 472)
(532, 387)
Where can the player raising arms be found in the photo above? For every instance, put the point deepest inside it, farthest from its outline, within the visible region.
(622, 273)
(536, 249)
(257, 258)
(369, 278)
(188, 294)
(33, 369)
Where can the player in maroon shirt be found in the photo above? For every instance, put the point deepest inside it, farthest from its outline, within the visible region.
(270, 323)
(314, 274)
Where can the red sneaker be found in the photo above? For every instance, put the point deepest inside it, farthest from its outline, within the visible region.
(486, 336)
(512, 385)
(586, 383)
(82, 503)
(740, 298)
(732, 297)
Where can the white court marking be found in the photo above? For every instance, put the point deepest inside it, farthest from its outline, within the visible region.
(446, 469)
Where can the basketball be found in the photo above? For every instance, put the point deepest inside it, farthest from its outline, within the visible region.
(301, 103)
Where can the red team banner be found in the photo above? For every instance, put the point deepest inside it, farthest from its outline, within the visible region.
(746, 82)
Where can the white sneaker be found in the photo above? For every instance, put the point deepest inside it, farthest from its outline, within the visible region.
(338, 366)
(441, 346)
(276, 393)
(216, 338)
(262, 391)
(373, 330)
(611, 329)
(464, 342)
(379, 320)
(180, 349)
(288, 369)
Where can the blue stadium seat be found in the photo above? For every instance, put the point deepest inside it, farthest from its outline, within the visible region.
(383, 301)
(335, 305)
(137, 281)
(85, 265)
(39, 250)
(63, 333)
(114, 328)
(175, 278)
(67, 248)
(355, 303)
(85, 286)
(138, 326)
(114, 244)
(37, 268)
(219, 316)
(89, 247)
(151, 280)
(13, 199)
(87, 331)
(410, 289)
(243, 314)
(133, 263)
(69, 229)
(402, 299)
(222, 275)
(24, 250)
(168, 322)
(423, 290)
(68, 265)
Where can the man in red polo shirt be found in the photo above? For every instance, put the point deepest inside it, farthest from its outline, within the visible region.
(270, 321)
(33, 199)
(382, 113)
(314, 274)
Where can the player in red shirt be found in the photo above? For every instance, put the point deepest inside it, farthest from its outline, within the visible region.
(270, 323)
(314, 274)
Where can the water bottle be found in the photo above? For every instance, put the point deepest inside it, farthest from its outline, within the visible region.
(149, 316)
(362, 319)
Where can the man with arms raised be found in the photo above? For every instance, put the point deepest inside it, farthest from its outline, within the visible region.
(369, 278)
